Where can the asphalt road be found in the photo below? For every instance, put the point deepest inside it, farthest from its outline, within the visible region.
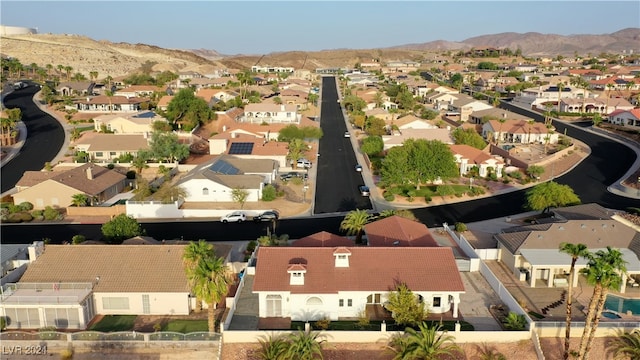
(608, 162)
(45, 137)
(337, 181)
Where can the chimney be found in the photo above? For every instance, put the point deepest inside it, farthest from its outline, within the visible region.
(89, 173)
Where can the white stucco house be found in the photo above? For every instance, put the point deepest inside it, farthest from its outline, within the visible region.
(626, 118)
(215, 181)
(312, 283)
(270, 113)
(468, 157)
(519, 132)
(67, 286)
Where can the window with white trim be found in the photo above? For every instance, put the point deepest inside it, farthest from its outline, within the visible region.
(115, 303)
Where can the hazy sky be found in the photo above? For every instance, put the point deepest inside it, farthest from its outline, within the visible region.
(259, 27)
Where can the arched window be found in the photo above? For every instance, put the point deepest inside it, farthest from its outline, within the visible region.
(205, 191)
(314, 301)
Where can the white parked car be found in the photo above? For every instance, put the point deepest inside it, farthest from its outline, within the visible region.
(347, 134)
(304, 163)
(236, 216)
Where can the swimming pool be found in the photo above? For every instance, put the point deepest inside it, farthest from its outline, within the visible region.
(622, 305)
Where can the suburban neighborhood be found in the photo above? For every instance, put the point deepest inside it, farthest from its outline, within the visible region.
(264, 153)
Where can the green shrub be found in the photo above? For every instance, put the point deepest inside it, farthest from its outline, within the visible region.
(269, 193)
(37, 214)
(78, 239)
(396, 190)
(26, 206)
(3, 323)
(427, 198)
(252, 245)
(388, 196)
(131, 174)
(411, 193)
(110, 166)
(296, 181)
(322, 324)
(460, 227)
(51, 213)
(14, 209)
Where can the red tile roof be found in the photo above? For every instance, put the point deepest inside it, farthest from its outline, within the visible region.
(370, 269)
(323, 239)
(398, 231)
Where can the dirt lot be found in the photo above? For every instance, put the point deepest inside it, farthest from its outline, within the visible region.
(522, 350)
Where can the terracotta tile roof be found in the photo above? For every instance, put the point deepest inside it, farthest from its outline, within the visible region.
(77, 178)
(398, 231)
(121, 268)
(323, 239)
(165, 100)
(262, 107)
(511, 126)
(370, 269)
(472, 154)
(260, 147)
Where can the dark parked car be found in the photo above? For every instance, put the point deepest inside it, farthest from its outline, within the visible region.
(364, 190)
(290, 175)
(267, 216)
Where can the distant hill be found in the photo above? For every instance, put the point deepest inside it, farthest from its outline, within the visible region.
(537, 44)
(84, 54)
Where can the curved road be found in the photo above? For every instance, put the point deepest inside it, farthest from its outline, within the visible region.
(45, 138)
(608, 162)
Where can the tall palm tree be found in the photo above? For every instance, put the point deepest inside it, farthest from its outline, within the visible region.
(193, 254)
(354, 222)
(49, 68)
(429, 343)
(626, 345)
(576, 251)
(68, 70)
(603, 271)
(210, 282)
(80, 199)
(501, 121)
(609, 88)
(305, 345)
(560, 87)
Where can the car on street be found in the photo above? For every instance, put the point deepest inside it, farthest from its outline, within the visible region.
(267, 216)
(236, 216)
(359, 168)
(347, 134)
(364, 190)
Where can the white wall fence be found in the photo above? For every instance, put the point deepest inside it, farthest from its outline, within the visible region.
(502, 292)
(488, 254)
(474, 260)
(231, 303)
(378, 336)
(159, 210)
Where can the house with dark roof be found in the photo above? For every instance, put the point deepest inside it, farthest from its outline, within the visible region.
(312, 283)
(214, 181)
(57, 188)
(109, 104)
(533, 249)
(67, 286)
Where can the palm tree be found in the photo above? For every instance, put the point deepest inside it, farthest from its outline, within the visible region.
(515, 321)
(68, 70)
(210, 282)
(603, 271)
(49, 68)
(60, 68)
(489, 353)
(193, 254)
(354, 222)
(560, 86)
(530, 127)
(304, 345)
(626, 345)
(501, 121)
(609, 87)
(273, 347)
(79, 199)
(429, 343)
(576, 251)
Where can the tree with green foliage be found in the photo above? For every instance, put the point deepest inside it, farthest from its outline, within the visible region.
(576, 251)
(78, 239)
(486, 352)
(468, 137)
(550, 194)
(273, 347)
(426, 343)
(120, 228)
(193, 254)
(297, 149)
(597, 119)
(166, 146)
(139, 162)
(604, 272)
(534, 171)
(372, 145)
(353, 103)
(374, 126)
(354, 222)
(406, 308)
(626, 345)
(167, 193)
(209, 279)
(188, 110)
(239, 195)
(418, 162)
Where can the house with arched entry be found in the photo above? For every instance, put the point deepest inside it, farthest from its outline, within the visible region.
(312, 283)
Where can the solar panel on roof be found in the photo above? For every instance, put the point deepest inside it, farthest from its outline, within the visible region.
(241, 148)
(223, 167)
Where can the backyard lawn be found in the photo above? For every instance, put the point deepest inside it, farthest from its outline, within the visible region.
(112, 323)
(186, 326)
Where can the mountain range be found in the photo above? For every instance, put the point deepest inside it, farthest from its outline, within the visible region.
(84, 54)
